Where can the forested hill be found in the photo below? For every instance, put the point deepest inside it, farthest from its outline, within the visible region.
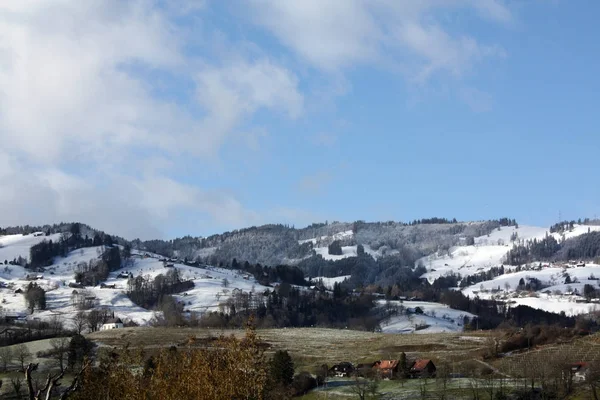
(282, 244)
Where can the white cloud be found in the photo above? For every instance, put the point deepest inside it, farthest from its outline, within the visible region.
(334, 34)
(78, 90)
(132, 207)
(232, 92)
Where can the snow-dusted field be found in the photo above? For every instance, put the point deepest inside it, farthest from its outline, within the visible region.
(490, 251)
(436, 318)
(207, 293)
(13, 246)
(329, 282)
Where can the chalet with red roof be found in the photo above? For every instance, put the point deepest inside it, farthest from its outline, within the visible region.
(387, 369)
(579, 371)
(422, 369)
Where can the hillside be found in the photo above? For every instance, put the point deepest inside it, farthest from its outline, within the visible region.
(277, 244)
(207, 293)
(421, 259)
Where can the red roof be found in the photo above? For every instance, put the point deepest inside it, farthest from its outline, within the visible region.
(420, 364)
(579, 365)
(387, 364)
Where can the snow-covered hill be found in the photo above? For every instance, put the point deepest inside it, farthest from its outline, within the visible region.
(435, 318)
(329, 282)
(15, 246)
(490, 251)
(209, 289)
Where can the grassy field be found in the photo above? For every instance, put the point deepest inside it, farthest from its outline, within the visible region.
(586, 349)
(458, 353)
(461, 388)
(312, 347)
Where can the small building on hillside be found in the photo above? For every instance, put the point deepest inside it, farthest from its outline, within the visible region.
(113, 323)
(579, 371)
(343, 369)
(422, 369)
(387, 369)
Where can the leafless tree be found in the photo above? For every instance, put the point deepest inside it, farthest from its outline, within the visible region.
(22, 355)
(60, 347)
(94, 320)
(51, 383)
(56, 324)
(80, 322)
(365, 388)
(6, 356)
(16, 384)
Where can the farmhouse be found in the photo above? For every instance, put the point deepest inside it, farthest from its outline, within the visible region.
(113, 323)
(422, 369)
(105, 286)
(387, 369)
(343, 369)
(579, 371)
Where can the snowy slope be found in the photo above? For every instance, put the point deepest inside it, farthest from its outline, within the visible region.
(335, 236)
(206, 295)
(329, 282)
(13, 246)
(488, 251)
(436, 318)
(557, 296)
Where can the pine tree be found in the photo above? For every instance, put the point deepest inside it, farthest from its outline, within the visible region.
(360, 250)
(282, 368)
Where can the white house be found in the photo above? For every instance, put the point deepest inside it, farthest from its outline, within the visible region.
(113, 323)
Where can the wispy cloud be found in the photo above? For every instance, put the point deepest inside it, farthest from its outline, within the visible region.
(79, 94)
(333, 34)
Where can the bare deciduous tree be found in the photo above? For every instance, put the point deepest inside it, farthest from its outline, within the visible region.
(60, 347)
(6, 356)
(22, 355)
(365, 388)
(79, 322)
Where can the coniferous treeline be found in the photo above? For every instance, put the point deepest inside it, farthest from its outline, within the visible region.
(43, 253)
(481, 276)
(96, 271)
(398, 268)
(148, 293)
(35, 297)
(564, 226)
(582, 247)
(265, 275)
(492, 313)
(279, 244)
(288, 306)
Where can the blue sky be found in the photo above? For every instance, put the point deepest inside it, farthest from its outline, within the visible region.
(162, 118)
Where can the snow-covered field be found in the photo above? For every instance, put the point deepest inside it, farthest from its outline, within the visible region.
(490, 251)
(436, 318)
(329, 282)
(13, 246)
(207, 293)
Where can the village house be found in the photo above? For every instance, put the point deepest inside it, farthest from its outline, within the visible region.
(422, 369)
(113, 323)
(387, 369)
(579, 371)
(343, 369)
